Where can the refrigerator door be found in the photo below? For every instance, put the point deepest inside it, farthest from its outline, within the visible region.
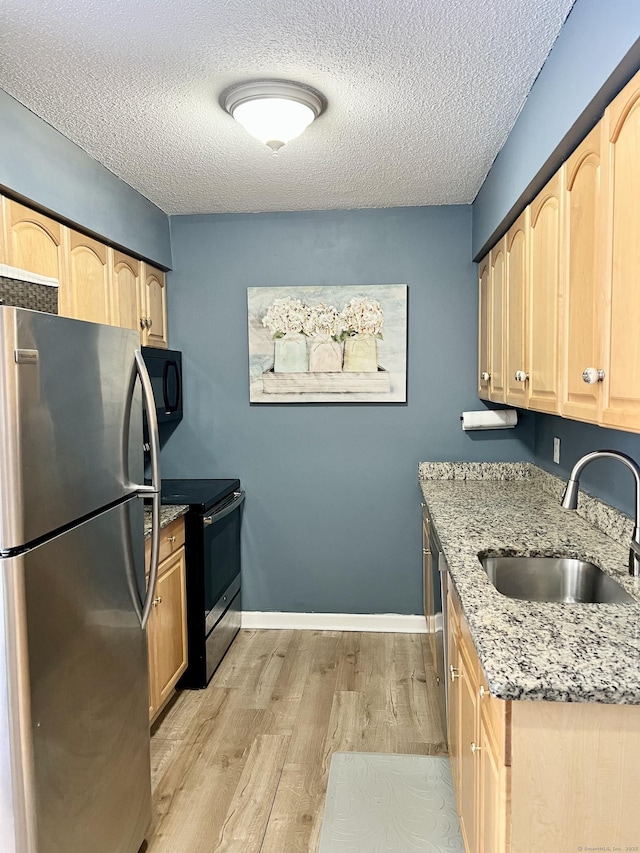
(76, 690)
(70, 436)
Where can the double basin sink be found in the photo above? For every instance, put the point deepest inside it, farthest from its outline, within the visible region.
(553, 579)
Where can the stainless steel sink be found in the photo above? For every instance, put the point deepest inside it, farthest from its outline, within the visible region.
(553, 579)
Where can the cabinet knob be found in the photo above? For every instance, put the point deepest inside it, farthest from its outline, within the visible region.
(591, 375)
(143, 323)
(482, 691)
(453, 672)
(521, 376)
(157, 601)
(149, 322)
(171, 539)
(485, 376)
(475, 748)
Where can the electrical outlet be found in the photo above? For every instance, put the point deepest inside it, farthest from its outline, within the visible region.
(556, 450)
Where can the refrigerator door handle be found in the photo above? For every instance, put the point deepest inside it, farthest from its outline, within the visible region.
(155, 553)
(154, 489)
(152, 422)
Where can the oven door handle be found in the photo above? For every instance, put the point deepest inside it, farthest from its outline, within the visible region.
(238, 498)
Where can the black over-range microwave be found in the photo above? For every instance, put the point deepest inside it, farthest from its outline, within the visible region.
(165, 372)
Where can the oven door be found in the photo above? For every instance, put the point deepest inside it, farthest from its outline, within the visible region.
(221, 557)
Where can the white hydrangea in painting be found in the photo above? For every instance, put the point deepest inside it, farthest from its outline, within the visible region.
(324, 320)
(285, 316)
(363, 316)
(324, 327)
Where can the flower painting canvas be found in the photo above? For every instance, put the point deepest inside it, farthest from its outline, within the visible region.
(331, 344)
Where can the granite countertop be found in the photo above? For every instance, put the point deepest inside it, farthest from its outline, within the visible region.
(167, 515)
(533, 650)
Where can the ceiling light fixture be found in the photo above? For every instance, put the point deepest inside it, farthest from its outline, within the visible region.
(273, 111)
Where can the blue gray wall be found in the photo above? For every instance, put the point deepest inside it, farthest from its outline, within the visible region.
(596, 53)
(41, 165)
(606, 479)
(332, 520)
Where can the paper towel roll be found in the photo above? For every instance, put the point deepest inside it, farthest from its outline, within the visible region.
(489, 419)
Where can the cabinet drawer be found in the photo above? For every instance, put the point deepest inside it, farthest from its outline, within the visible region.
(171, 539)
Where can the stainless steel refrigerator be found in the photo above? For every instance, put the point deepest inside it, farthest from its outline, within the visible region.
(74, 728)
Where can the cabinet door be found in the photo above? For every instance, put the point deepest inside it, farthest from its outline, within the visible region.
(544, 295)
(33, 242)
(516, 367)
(496, 321)
(585, 310)
(89, 281)
(453, 692)
(622, 381)
(492, 821)
(154, 302)
(484, 318)
(126, 310)
(467, 749)
(167, 630)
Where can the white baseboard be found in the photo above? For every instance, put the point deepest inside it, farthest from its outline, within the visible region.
(392, 623)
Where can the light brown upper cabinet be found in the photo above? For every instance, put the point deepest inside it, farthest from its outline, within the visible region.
(484, 338)
(543, 298)
(154, 307)
(497, 313)
(138, 299)
(87, 296)
(126, 291)
(578, 323)
(584, 306)
(516, 368)
(621, 385)
(96, 283)
(33, 242)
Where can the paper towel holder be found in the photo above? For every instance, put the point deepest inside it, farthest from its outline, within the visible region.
(489, 419)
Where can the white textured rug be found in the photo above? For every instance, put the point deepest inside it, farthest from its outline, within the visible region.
(390, 804)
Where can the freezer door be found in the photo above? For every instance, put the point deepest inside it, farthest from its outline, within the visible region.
(70, 438)
(76, 689)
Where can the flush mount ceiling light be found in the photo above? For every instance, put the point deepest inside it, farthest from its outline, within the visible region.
(273, 111)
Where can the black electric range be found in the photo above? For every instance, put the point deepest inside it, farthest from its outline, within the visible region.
(212, 552)
(200, 494)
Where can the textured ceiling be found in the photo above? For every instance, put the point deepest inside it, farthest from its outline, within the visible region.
(421, 93)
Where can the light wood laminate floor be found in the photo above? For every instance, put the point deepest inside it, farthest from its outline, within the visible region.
(242, 766)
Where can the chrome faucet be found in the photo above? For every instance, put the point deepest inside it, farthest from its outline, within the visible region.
(570, 497)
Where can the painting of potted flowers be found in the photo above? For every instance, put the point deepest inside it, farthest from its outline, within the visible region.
(327, 343)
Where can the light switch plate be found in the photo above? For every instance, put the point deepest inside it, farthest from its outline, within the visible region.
(556, 450)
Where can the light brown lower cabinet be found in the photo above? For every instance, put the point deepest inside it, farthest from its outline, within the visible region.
(167, 626)
(537, 776)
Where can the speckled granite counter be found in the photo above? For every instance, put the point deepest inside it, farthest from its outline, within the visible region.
(167, 515)
(532, 650)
